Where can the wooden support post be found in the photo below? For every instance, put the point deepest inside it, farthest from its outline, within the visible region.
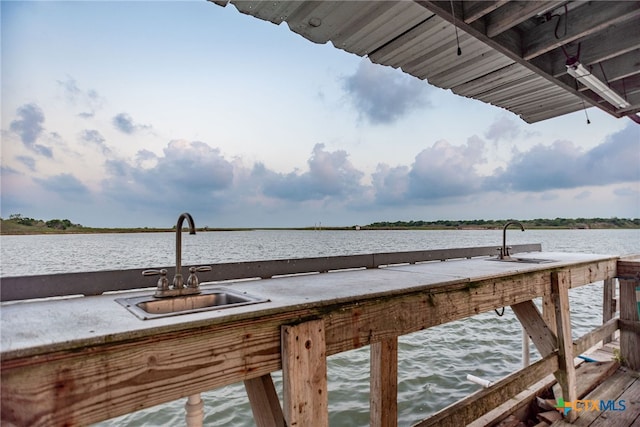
(566, 375)
(194, 411)
(608, 304)
(549, 313)
(384, 383)
(629, 279)
(264, 401)
(304, 374)
(539, 332)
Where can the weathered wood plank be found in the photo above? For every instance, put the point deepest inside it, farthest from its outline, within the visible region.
(630, 416)
(517, 404)
(630, 325)
(514, 13)
(472, 407)
(384, 383)
(629, 279)
(473, 11)
(599, 271)
(590, 339)
(629, 267)
(611, 389)
(549, 312)
(629, 339)
(96, 383)
(582, 22)
(591, 375)
(264, 401)
(529, 316)
(304, 374)
(366, 322)
(566, 374)
(608, 304)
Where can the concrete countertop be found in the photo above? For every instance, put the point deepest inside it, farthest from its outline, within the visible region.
(30, 328)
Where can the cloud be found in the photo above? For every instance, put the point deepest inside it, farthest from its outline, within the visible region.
(541, 168)
(8, 170)
(502, 128)
(29, 162)
(188, 173)
(330, 174)
(124, 123)
(583, 195)
(445, 170)
(70, 88)
(86, 99)
(28, 126)
(628, 192)
(391, 184)
(615, 160)
(384, 95)
(94, 137)
(565, 165)
(65, 185)
(439, 172)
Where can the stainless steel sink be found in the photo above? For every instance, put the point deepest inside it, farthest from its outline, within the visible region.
(150, 307)
(523, 260)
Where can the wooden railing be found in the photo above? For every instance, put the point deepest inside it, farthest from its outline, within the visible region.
(550, 331)
(143, 371)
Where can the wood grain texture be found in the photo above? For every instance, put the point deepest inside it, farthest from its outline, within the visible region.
(384, 383)
(264, 401)
(629, 338)
(529, 316)
(304, 375)
(566, 374)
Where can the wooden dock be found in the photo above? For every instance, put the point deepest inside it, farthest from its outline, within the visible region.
(615, 402)
(112, 363)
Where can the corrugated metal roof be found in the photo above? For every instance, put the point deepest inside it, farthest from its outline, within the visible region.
(419, 37)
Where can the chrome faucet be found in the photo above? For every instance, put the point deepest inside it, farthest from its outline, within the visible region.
(177, 288)
(177, 279)
(504, 250)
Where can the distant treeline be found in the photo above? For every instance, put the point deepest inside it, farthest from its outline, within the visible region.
(58, 224)
(18, 224)
(581, 223)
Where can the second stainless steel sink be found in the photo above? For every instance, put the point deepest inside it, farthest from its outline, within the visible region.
(523, 260)
(150, 307)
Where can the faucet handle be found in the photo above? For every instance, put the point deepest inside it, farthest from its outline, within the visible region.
(192, 281)
(163, 282)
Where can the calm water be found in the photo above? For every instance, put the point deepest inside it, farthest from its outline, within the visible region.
(433, 364)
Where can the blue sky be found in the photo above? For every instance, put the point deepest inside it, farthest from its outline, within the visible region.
(118, 114)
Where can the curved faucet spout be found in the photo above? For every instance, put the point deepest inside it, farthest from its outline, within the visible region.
(504, 254)
(177, 279)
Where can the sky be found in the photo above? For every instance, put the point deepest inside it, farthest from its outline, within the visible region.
(126, 114)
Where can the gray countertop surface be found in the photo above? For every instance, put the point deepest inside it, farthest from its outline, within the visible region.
(33, 327)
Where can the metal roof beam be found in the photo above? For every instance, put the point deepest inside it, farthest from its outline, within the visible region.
(514, 13)
(508, 43)
(620, 67)
(580, 22)
(605, 45)
(474, 10)
(583, 21)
